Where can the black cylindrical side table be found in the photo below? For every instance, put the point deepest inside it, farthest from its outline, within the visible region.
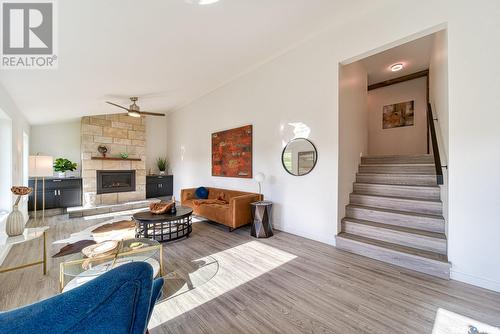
(262, 226)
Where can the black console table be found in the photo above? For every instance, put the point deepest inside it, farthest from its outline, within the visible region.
(59, 193)
(159, 185)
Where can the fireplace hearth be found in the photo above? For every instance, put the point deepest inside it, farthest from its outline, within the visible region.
(115, 181)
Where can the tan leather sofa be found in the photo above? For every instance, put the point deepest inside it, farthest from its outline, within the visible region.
(235, 213)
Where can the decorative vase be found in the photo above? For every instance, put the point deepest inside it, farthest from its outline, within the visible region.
(15, 222)
(61, 175)
(162, 172)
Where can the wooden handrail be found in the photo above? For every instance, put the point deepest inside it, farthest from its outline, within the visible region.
(435, 149)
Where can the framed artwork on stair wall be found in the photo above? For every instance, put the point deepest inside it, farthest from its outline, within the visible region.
(232, 152)
(398, 115)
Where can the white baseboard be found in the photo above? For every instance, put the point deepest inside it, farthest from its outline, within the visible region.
(475, 280)
(330, 240)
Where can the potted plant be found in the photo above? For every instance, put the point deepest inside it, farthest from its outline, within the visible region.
(62, 165)
(162, 165)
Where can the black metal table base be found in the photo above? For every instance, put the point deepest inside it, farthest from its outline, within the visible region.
(164, 231)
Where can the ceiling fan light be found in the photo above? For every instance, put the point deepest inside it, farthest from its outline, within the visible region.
(134, 114)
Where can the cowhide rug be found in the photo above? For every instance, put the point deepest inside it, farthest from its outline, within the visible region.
(109, 230)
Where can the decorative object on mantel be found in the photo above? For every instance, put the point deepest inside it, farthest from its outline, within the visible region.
(162, 165)
(232, 152)
(124, 155)
(15, 221)
(103, 150)
(160, 208)
(62, 165)
(40, 166)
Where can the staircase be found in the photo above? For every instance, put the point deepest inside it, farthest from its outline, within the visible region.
(395, 214)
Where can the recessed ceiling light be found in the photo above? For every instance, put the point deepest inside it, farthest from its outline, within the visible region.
(396, 67)
(202, 2)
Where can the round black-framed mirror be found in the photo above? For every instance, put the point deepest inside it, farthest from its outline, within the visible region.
(299, 157)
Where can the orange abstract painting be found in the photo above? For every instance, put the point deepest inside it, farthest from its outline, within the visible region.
(232, 152)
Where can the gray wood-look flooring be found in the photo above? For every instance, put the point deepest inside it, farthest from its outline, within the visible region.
(221, 282)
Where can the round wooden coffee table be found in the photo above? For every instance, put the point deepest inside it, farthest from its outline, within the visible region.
(165, 227)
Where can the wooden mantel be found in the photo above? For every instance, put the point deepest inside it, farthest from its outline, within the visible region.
(115, 158)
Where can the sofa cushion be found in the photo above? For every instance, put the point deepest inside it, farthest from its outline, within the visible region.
(201, 193)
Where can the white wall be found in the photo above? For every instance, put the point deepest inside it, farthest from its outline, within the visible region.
(302, 85)
(156, 141)
(59, 140)
(296, 88)
(438, 88)
(19, 125)
(5, 162)
(353, 128)
(400, 140)
(438, 96)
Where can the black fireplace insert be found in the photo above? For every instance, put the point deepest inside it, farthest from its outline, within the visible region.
(115, 181)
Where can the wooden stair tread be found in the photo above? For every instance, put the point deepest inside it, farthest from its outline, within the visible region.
(397, 228)
(397, 175)
(399, 185)
(398, 248)
(399, 197)
(381, 156)
(399, 165)
(406, 213)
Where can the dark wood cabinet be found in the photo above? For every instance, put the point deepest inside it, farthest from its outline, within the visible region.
(159, 185)
(59, 193)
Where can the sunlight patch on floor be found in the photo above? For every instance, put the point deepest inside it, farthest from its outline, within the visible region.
(237, 266)
(449, 322)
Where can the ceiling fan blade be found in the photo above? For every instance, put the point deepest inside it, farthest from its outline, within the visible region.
(150, 113)
(117, 105)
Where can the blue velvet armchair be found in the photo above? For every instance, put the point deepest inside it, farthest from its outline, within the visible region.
(119, 301)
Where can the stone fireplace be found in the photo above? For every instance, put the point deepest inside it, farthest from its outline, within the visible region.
(120, 134)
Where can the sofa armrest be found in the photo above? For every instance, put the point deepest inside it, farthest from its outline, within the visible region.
(187, 194)
(240, 208)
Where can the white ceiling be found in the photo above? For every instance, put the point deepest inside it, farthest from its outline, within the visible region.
(167, 51)
(414, 55)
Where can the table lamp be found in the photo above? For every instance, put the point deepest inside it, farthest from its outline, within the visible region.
(40, 166)
(260, 177)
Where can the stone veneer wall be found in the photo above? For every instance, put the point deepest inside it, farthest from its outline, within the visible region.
(120, 134)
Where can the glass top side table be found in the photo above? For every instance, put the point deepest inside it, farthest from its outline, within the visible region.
(78, 269)
(30, 233)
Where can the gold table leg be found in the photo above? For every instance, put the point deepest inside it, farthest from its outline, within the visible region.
(44, 253)
(161, 260)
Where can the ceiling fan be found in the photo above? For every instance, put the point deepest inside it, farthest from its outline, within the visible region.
(134, 110)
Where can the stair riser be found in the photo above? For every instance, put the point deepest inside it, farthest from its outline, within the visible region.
(404, 169)
(418, 159)
(396, 237)
(432, 208)
(420, 264)
(398, 219)
(416, 180)
(398, 191)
